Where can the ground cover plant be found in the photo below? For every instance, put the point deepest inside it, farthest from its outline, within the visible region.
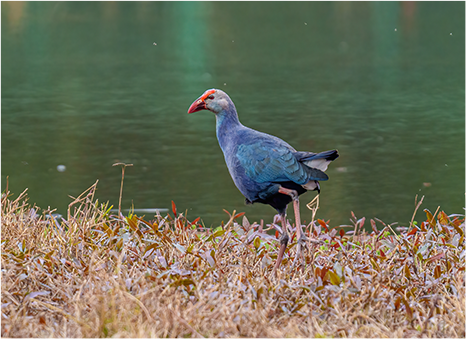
(94, 274)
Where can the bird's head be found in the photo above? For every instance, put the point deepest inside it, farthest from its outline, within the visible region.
(214, 100)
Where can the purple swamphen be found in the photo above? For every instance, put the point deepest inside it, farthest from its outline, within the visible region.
(263, 167)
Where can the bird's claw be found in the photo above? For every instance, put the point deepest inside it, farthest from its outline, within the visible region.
(315, 241)
(304, 241)
(303, 238)
(309, 241)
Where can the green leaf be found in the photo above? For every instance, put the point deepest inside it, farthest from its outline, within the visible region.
(334, 278)
(257, 242)
(218, 233)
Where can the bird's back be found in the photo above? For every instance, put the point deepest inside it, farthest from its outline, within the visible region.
(260, 162)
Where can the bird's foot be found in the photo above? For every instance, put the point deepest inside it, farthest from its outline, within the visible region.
(299, 252)
(283, 243)
(284, 239)
(303, 239)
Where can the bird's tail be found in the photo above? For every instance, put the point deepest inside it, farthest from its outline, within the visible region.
(318, 161)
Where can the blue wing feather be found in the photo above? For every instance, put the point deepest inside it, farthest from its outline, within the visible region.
(269, 161)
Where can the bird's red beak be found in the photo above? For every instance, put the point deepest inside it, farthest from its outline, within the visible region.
(199, 104)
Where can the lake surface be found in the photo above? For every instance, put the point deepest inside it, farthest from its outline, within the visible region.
(88, 84)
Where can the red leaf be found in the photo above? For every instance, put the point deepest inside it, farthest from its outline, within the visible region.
(457, 221)
(174, 209)
(361, 223)
(423, 226)
(229, 214)
(342, 232)
(317, 272)
(430, 217)
(435, 257)
(336, 245)
(397, 303)
(382, 253)
(323, 272)
(239, 215)
(276, 234)
(323, 224)
(374, 227)
(196, 220)
(413, 231)
(443, 218)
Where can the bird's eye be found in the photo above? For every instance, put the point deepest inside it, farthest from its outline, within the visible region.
(211, 97)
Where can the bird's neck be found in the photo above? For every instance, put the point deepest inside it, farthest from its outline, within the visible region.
(227, 125)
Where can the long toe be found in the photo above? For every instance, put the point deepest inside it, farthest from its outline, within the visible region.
(299, 250)
(303, 239)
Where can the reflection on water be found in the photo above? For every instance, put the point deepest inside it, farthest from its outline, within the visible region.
(84, 86)
(15, 10)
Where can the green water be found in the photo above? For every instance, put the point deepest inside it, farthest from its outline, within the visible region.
(88, 84)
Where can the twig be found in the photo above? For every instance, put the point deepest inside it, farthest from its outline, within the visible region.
(313, 206)
(123, 167)
(185, 323)
(415, 210)
(53, 308)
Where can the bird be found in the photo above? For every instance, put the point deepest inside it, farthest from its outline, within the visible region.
(263, 167)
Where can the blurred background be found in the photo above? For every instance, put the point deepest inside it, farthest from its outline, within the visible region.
(88, 84)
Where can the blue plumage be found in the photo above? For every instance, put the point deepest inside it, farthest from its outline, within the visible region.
(263, 167)
(259, 163)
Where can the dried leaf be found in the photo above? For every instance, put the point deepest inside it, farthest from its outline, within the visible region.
(409, 311)
(180, 248)
(430, 217)
(435, 257)
(35, 294)
(407, 272)
(375, 265)
(443, 218)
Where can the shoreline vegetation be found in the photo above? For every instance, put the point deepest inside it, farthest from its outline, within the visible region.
(94, 274)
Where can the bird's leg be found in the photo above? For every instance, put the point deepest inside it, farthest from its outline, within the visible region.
(299, 233)
(294, 195)
(283, 242)
(301, 236)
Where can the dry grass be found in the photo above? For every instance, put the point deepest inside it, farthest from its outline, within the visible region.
(97, 275)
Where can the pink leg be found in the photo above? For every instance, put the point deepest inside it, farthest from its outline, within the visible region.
(299, 233)
(294, 195)
(283, 242)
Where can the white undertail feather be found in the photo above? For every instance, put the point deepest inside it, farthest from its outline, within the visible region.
(320, 164)
(311, 185)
